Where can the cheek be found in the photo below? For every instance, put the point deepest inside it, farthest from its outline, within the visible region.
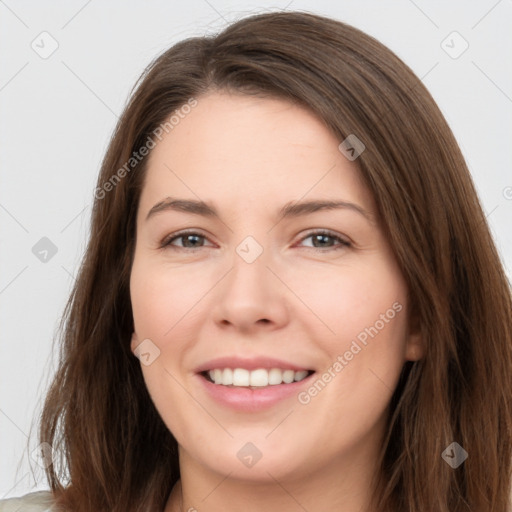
(364, 309)
(352, 302)
(371, 326)
(162, 296)
(162, 299)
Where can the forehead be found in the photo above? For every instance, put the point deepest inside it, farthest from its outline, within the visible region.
(238, 151)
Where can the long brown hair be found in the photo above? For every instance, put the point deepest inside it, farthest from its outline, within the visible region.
(117, 453)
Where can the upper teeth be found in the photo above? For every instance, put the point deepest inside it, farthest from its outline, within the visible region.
(260, 377)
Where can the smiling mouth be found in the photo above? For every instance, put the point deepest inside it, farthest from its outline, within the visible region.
(254, 379)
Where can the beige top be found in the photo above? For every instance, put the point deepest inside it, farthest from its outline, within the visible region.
(39, 501)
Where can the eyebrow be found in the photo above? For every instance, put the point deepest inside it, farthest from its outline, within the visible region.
(290, 209)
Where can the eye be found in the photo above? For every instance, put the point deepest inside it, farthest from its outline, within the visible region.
(189, 240)
(323, 239)
(320, 239)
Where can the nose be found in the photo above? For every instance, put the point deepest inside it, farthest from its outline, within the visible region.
(251, 297)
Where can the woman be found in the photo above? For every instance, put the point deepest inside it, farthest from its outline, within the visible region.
(290, 298)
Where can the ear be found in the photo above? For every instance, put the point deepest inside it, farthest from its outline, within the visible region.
(414, 348)
(134, 342)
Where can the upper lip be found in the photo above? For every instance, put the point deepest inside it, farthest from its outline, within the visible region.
(252, 363)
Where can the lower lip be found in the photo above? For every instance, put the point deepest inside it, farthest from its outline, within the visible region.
(252, 400)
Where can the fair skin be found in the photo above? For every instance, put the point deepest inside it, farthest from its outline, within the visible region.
(303, 300)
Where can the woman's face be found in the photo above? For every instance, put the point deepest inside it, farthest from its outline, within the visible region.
(259, 284)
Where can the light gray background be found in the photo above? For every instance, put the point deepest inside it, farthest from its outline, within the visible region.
(57, 115)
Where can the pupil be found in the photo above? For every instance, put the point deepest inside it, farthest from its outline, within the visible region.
(193, 238)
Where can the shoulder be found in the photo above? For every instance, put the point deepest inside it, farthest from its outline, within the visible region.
(39, 501)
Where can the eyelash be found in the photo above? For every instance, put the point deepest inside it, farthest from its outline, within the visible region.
(166, 242)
